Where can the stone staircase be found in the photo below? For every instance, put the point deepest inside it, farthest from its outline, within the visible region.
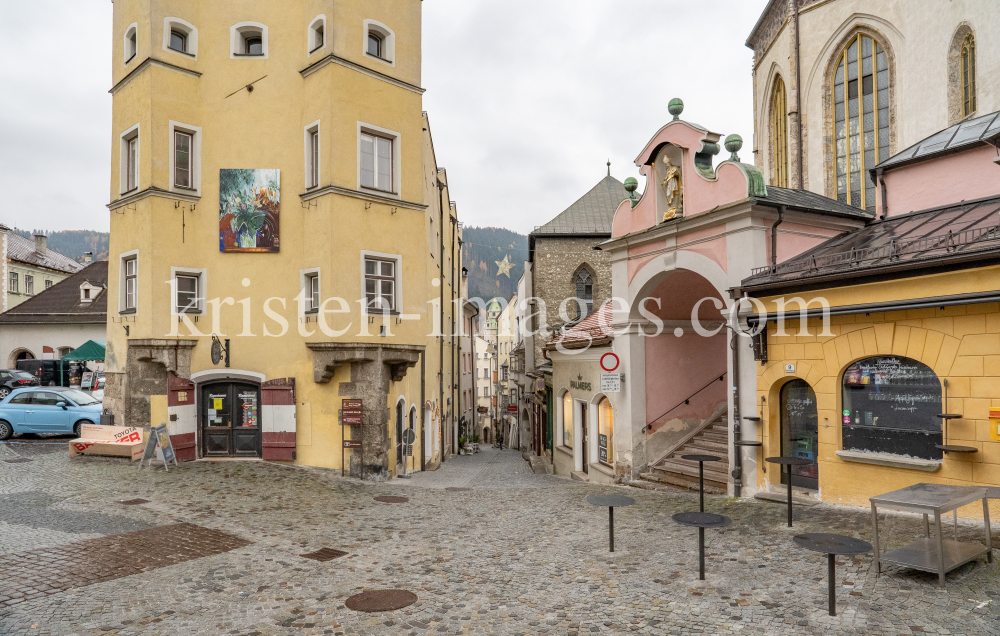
(672, 470)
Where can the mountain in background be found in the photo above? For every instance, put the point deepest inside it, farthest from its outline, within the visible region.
(73, 243)
(482, 247)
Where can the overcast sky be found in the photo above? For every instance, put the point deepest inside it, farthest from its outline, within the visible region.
(528, 99)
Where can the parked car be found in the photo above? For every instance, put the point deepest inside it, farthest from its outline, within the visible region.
(52, 372)
(11, 379)
(47, 410)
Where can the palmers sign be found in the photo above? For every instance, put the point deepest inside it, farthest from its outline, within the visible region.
(579, 384)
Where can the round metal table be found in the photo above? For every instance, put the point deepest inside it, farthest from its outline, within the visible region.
(610, 502)
(701, 520)
(701, 459)
(788, 461)
(832, 545)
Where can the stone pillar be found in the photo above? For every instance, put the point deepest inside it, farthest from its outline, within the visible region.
(149, 364)
(373, 367)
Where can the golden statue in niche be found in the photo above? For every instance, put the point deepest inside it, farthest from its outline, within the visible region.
(673, 188)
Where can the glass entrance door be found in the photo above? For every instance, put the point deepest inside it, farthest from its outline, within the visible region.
(800, 433)
(229, 415)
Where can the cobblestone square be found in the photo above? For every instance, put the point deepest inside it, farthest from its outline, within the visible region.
(487, 546)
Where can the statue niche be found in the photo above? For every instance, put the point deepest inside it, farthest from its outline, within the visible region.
(671, 183)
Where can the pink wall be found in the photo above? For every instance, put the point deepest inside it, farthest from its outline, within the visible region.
(958, 177)
(676, 368)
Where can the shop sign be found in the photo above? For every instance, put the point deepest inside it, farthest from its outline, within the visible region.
(611, 383)
(352, 443)
(579, 384)
(602, 448)
(512, 408)
(159, 436)
(483, 409)
(351, 411)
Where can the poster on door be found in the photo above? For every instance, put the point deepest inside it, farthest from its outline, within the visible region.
(249, 400)
(215, 409)
(602, 448)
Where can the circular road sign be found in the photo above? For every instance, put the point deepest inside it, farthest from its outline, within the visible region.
(609, 362)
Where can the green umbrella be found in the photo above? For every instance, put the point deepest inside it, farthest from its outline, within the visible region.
(90, 351)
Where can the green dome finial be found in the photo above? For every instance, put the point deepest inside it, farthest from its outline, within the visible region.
(631, 185)
(675, 107)
(733, 145)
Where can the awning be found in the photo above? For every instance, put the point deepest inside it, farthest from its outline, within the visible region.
(90, 351)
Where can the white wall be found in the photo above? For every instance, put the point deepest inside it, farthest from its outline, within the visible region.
(35, 337)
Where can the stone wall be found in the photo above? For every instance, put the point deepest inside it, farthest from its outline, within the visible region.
(557, 261)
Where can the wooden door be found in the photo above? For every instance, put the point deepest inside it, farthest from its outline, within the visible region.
(229, 415)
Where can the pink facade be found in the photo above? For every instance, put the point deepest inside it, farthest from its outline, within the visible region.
(962, 176)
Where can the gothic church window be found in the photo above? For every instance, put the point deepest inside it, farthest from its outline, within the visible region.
(861, 119)
(779, 135)
(968, 75)
(584, 293)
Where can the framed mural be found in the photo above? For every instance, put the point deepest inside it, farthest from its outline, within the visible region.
(249, 203)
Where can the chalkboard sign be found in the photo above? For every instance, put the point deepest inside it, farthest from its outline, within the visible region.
(891, 405)
(602, 448)
(159, 436)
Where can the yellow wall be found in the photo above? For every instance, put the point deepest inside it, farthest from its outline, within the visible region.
(265, 129)
(961, 344)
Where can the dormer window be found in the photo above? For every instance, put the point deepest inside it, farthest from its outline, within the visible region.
(248, 39)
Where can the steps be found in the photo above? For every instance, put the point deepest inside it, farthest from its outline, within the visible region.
(713, 440)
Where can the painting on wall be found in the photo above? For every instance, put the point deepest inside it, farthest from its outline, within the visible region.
(249, 203)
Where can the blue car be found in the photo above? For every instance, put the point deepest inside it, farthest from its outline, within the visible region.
(51, 409)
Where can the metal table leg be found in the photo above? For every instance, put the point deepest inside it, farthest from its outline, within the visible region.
(611, 528)
(878, 562)
(940, 546)
(832, 573)
(701, 486)
(701, 554)
(986, 523)
(789, 496)
(927, 528)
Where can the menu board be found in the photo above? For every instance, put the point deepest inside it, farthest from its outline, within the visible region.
(891, 404)
(602, 448)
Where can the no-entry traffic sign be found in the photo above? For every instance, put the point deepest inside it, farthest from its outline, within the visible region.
(609, 362)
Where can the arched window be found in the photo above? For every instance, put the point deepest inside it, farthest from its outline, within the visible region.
(891, 405)
(779, 135)
(605, 432)
(567, 420)
(585, 293)
(861, 119)
(968, 75)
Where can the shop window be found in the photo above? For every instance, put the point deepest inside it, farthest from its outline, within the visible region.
(605, 433)
(891, 405)
(567, 423)
(800, 433)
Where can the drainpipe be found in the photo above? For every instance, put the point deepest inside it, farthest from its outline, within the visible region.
(737, 450)
(441, 316)
(774, 239)
(798, 93)
(885, 195)
(455, 377)
(423, 410)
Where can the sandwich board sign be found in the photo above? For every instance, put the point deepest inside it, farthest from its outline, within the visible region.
(159, 436)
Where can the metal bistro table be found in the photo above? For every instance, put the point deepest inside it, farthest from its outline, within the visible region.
(701, 520)
(938, 555)
(788, 461)
(701, 459)
(832, 545)
(610, 502)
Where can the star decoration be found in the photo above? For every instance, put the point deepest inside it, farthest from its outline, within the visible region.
(503, 267)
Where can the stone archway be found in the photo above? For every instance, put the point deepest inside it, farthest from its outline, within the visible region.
(19, 354)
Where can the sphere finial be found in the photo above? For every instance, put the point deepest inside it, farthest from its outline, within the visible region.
(631, 185)
(675, 107)
(733, 144)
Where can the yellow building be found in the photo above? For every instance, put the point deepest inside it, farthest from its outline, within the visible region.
(274, 184)
(892, 376)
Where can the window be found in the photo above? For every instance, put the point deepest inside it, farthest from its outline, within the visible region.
(183, 146)
(86, 293)
(48, 284)
(605, 432)
(29, 284)
(376, 162)
(130, 159)
(779, 135)
(379, 42)
(312, 155)
(13, 283)
(891, 405)
(567, 423)
(130, 269)
(968, 75)
(248, 39)
(374, 44)
(584, 293)
(861, 119)
(380, 285)
(187, 294)
(131, 43)
(317, 34)
(178, 41)
(312, 306)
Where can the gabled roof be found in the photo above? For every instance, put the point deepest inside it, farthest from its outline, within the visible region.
(961, 234)
(23, 249)
(590, 214)
(962, 136)
(60, 304)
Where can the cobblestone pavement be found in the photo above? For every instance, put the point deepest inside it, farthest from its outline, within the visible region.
(517, 554)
